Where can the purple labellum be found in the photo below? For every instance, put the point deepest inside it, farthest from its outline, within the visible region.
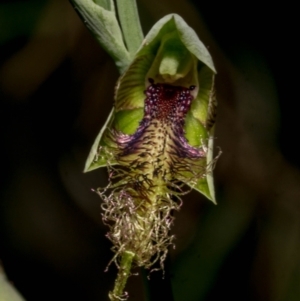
(152, 166)
(164, 113)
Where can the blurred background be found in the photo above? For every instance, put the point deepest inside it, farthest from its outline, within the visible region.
(56, 89)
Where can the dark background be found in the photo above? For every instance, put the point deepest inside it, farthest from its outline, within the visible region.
(56, 87)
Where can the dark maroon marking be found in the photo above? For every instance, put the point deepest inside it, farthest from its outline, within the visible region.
(166, 104)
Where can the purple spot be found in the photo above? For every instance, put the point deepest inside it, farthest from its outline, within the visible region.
(167, 105)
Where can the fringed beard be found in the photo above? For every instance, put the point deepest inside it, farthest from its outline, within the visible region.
(145, 186)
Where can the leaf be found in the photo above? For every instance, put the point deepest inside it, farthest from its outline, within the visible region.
(131, 27)
(100, 18)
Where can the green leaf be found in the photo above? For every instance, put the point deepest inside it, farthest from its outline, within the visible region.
(106, 4)
(100, 19)
(130, 22)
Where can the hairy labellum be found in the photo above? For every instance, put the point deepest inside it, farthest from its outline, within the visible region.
(157, 140)
(138, 208)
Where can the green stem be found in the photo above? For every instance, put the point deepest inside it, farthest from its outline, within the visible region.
(124, 272)
(130, 23)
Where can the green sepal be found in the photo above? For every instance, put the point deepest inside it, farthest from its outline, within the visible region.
(204, 101)
(204, 188)
(131, 85)
(195, 132)
(186, 34)
(205, 185)
(211, 162)
(128, 121)
(95, 159)
(198, 131)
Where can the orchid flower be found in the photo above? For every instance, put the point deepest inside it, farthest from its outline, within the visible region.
(157, 142)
